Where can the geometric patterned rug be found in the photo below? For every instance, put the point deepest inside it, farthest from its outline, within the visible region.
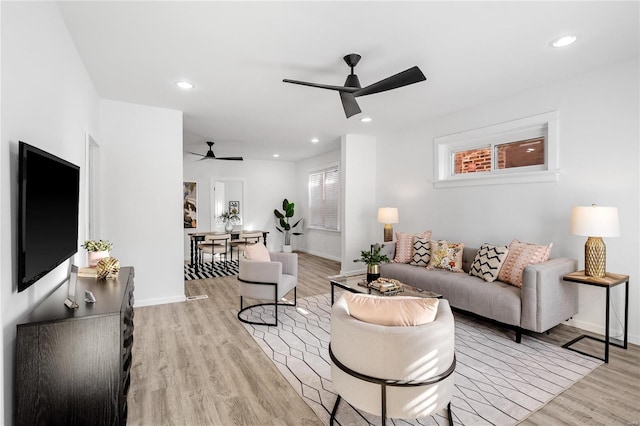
(497, 381)
(206, 270)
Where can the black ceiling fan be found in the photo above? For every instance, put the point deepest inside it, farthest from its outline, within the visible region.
(352, 89)
(211, 156)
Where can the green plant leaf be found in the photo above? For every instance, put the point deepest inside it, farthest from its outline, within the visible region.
(296, 224)
(278, 214)
(285, 204)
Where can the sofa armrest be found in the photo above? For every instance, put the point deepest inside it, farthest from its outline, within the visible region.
(289, 262)
(548, 300)
(389, 248)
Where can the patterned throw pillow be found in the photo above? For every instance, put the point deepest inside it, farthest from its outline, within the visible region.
(421, 252)
(488, 261)
(521, 255)
(404, 246)
(446, 255)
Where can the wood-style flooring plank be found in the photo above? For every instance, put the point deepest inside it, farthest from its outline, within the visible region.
(195, 364)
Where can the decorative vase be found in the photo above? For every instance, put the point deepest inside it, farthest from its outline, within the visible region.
(373, 272)
(286, 249)
(228, 227)
(94, 256)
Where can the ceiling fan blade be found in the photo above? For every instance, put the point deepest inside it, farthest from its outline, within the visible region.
(194, 153)
(349, 104)
(230, 158)
(404, 78)
(340, 89)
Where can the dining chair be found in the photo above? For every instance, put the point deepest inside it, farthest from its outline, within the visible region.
(216, 244)
(245, 239)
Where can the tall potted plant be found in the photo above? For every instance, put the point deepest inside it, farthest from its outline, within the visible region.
(285, 227)
(373, 259)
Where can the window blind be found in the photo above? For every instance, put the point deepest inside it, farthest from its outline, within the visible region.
(324, 198)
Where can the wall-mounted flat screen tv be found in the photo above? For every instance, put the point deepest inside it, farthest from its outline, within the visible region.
(48, 199)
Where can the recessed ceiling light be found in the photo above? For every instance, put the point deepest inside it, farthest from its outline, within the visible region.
(563, 41)
(184, 85)
(276, 155)
(315, 140)
(365, 119)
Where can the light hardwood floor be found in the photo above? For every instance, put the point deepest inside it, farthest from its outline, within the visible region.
(195, 364)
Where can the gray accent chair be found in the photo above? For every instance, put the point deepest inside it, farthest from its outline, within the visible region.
(392, 371)
(267, 281)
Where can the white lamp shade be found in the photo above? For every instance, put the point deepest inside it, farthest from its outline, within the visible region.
(387, 215)
(595, 221)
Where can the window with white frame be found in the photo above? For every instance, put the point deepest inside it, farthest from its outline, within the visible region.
(324, 198)
(523, 150)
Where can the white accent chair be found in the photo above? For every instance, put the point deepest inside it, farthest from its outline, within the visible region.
(397, 372)
(268, 281)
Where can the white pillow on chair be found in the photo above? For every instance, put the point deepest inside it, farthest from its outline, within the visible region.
(257, 252)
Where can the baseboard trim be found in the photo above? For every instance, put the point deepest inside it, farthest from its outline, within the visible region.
(323, 255)
(159, 301)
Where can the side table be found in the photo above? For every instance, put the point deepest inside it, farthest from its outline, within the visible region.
(608, 281)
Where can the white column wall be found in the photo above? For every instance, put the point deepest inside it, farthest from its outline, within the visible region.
(141, 196)
(599, 157)
(48, 100)
(359, 212)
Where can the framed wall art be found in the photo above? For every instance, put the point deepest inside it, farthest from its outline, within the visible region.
(234, 207)
(190, 204)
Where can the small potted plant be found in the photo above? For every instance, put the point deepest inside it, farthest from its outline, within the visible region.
(229, 219)
(285, 227)
(96, 250)
(373, 259)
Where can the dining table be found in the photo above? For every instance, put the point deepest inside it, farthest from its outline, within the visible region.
(196, 237)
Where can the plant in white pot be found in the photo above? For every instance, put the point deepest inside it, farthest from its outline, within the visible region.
(96, 250)
(285, 227)
(229, 219)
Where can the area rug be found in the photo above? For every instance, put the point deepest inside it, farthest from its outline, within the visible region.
(218, 269)
(498, 381)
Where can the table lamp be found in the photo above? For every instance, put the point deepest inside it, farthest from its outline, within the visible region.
(388, 215)
(595, 222)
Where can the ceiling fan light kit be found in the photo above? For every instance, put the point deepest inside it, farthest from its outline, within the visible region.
(211, 156)
(352, 88)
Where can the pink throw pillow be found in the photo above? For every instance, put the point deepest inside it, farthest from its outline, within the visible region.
(519, 256)
(404, 245)
(257, 252)
(392, 311)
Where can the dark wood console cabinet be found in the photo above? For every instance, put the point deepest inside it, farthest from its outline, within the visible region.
(72, 366)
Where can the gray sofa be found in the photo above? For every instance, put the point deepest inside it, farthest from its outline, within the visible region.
(544, 300)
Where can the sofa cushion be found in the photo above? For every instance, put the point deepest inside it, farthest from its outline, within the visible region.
(421, 252)
(495, 300)
(391, 311)
(445, 255)
(488, 261)
(521, 255)
(404, 245)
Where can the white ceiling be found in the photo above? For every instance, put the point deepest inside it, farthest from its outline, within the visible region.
(237, 53)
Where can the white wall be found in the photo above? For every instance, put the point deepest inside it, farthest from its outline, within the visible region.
(48, 101)
(321, 243)
(358, 175)
(141, 192)
(599, 154)
(267, 183)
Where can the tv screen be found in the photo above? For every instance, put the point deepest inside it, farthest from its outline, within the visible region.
(48, 199)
